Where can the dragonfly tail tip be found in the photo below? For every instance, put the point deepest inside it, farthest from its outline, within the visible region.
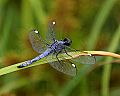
(20, 66)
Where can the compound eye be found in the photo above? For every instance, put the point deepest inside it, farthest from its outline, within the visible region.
(67, 44)
(65, 39)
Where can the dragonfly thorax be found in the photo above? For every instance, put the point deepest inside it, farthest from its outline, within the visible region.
(58, 45)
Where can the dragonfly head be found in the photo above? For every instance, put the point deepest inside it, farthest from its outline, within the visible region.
(67, 42)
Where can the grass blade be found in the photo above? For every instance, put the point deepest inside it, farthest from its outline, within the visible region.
(6, 31)
(107, 68)
(76, 54)
(99, 22)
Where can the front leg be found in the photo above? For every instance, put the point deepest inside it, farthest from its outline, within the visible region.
(67, 53)
(57, 56)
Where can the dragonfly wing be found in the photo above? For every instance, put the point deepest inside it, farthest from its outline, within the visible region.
(84, 59)
(37, 42)
(65, 66)
(51, 37)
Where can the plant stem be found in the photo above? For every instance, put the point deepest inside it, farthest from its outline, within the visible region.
(107, 68)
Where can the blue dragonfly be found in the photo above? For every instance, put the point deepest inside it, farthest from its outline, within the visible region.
(51, 48)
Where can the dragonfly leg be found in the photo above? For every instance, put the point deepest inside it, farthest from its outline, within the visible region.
(67, 53)
(57, 57)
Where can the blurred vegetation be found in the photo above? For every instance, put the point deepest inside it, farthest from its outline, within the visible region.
(91, 24)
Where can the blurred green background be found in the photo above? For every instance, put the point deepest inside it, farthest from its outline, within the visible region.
(91, 24)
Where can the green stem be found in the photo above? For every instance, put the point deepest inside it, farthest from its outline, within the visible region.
(107, 68)
(99, 22)
(6, 31)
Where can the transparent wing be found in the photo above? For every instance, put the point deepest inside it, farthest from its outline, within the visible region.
(65, 66)
(37, 42)
(89, 59)
(84, 59)
(51, 34)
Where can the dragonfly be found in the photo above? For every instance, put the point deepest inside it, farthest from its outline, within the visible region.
(51, 48)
